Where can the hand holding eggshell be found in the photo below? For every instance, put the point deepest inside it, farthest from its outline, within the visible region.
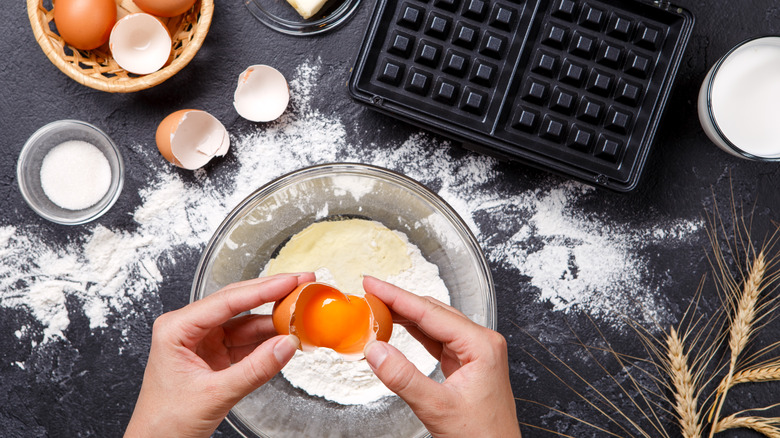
(204, 358)
(476, 398)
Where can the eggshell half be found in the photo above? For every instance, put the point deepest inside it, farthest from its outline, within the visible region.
(191, 138)
(262, 94)
(288, 312)
(140, 43)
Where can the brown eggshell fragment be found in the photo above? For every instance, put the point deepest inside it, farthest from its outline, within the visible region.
(164, 133)
(383, 319)
(284, 309)
(191, 138)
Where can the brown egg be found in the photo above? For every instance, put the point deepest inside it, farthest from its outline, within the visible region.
(85, 24)
(322, 316)
(165, 8)
(191, 138)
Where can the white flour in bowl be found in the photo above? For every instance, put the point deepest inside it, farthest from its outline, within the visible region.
(324, 373)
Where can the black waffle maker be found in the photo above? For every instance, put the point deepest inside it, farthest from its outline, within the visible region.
(576, 87)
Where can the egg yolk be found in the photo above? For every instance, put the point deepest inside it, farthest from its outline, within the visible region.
(330, 320)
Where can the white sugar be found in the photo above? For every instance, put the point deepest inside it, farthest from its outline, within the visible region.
(75, 175)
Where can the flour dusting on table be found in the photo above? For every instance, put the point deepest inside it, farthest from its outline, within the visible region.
(571, 259)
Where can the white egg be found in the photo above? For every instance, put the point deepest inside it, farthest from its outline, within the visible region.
(262, 94)
(140, 43)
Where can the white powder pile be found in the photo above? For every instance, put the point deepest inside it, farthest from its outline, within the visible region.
(576, 259)
(587, 262)
(324, 373)
(75, 175)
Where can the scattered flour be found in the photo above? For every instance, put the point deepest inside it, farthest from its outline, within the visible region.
(573, 259)
(586, 262)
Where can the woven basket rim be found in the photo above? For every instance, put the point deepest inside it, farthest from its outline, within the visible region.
(53, 52)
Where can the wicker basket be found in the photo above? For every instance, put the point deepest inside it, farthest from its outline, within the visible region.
(97, 69)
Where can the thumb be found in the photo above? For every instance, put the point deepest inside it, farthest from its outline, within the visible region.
(260, 366)
(400, 375)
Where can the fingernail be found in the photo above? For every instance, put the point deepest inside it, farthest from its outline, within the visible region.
(285, 349)
(376, 353)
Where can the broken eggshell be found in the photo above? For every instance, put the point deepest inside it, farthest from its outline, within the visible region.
(355, 322)
(262, 94)
(191, 138)
(140, 43)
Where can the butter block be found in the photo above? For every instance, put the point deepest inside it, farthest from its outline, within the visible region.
(307, 8)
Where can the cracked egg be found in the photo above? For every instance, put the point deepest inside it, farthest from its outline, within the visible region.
(191, 138)
(322, 316)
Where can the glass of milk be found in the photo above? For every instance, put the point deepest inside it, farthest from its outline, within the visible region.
(739, 101)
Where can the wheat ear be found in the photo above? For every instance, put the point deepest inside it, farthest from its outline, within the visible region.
(683, 386)
(741, 328)
(758, 374)
(763, 425)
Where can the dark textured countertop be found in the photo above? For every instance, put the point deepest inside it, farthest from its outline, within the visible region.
(84, 381)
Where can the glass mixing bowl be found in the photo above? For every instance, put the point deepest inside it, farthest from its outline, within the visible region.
(252, 232)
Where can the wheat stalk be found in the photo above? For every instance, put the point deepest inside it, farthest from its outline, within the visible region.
(757, 374)
(742, 324)
(642, 402)
(683, 386)
(741, 329)
(767, 426)
(696, 363)
(600, 396)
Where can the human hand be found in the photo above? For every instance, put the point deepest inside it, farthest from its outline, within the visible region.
(189, 384)
(476, 397)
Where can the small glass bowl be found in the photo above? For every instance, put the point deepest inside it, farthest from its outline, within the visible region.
(249, 236)
(28, 170)
(282, 17)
